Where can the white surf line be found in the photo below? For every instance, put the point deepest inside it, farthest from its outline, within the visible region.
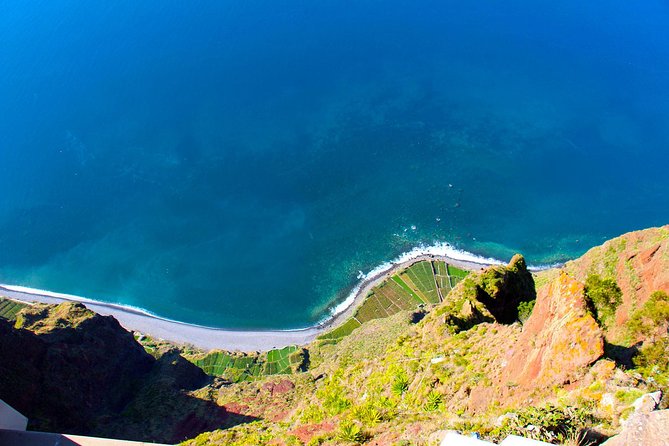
(138, 319)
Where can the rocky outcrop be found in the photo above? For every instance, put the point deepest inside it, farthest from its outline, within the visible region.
(637, 261)
(70, 370)
(76, 366)
(491, 295)
(643, 429)
(558, 340)
(501, 290)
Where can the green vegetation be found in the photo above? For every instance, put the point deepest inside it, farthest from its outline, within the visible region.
(551, 423)
(398, 280)
(284, 361)
(441, 277)
(650, 322)
(433, 402)
(424, 282)
(652, 361)
(343, 330)
(422, 275)
(400, 383)
(604, 297)
(650, 316)
(350, 432)
(9, 308)
(456, 274)
(237, 367)
(525, 310)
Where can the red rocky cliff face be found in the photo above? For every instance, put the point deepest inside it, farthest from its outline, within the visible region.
(637, 261)
(555, 347)
(558, 340)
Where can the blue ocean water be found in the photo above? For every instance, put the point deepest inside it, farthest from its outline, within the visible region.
(236, 163)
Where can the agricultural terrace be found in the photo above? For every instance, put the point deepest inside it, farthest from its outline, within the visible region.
(423, 283)
(9, 308)
(238, 367)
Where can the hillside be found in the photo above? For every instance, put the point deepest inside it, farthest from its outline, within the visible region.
(71, 370)
(504, 351)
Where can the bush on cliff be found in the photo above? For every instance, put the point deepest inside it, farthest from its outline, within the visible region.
(650, 316)
(525, 310)
(604, 297)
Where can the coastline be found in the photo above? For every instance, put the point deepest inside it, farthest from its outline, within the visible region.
(209, 338)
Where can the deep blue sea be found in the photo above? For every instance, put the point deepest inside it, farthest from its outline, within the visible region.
(237, 163)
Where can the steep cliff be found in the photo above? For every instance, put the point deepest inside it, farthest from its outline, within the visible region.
(637, 261)
(78, 366)
(71, 370)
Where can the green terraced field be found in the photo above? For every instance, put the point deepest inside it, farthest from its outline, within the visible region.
(398, 280)
(9, 308)
(343, 330)
(215, 363)
(422, 275)
(279, 361)
(237, 368)
(421, 283)
(456, 274)
(442, 277)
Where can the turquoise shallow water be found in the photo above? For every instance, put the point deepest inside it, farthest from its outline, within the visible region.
(236, 164)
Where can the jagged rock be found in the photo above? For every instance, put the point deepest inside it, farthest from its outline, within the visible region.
(491, 295)
(643, 429)
(76, 365)
(637, 261)
(71, 370)
(558, 340)
(647, 403)
(502, 419)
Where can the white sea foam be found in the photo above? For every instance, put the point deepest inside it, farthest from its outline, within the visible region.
(75, 298)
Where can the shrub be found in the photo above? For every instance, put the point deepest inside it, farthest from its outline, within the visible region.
(433, 401)
(333, 396)
(312, 414)
(350, 431)
(368, 414)
(650, 316)
(604, 296)
(653, 360)
(549, 423)
(525, 310)
(319, 439)
(400, 384)
(335, 402)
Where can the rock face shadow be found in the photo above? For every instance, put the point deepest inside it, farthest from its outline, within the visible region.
(621, 355)
(71, 371)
